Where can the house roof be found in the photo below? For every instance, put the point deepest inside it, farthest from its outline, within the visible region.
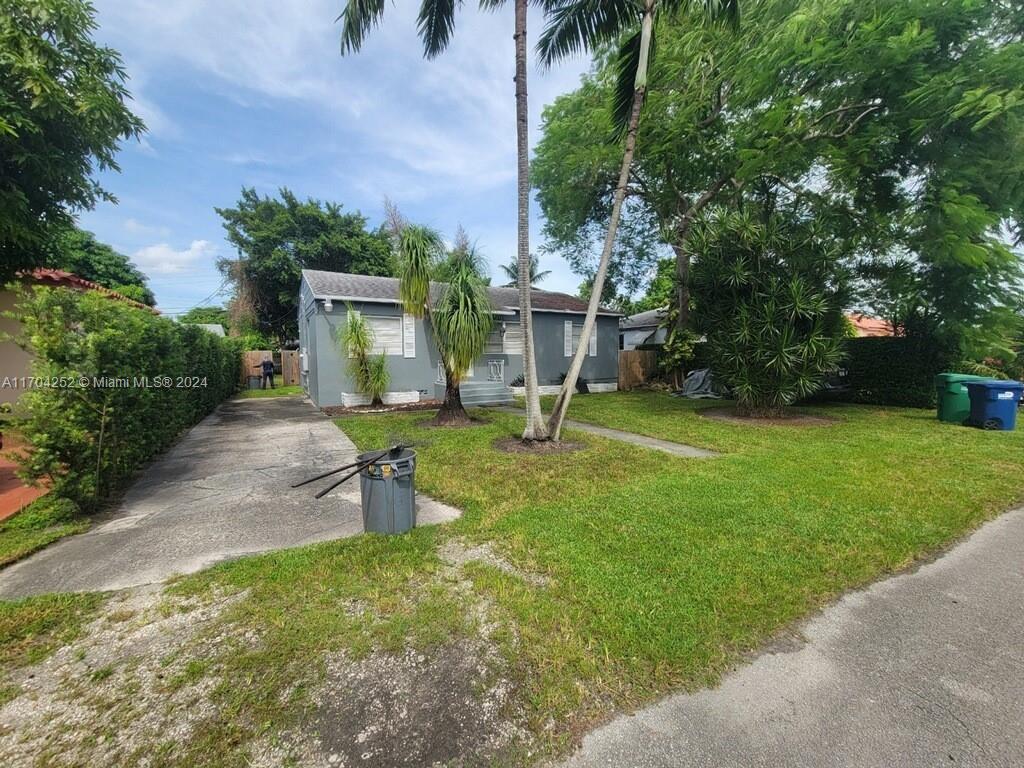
(60, 278)
(652, 318)
(342, 286)
(869, 326)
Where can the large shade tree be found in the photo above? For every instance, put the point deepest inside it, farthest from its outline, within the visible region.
(436, 23)
(581, 25)
(277, 238)
(63, 114)
(80, 253)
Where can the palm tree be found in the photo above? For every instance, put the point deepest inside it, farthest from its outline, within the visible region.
(511, 271)
(436, 22)
(461, 316)
(575, 26)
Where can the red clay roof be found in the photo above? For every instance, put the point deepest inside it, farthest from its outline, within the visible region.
(870, 326)
(60, 278)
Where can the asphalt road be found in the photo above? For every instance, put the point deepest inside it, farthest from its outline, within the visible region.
(923, 669)
(222, 491)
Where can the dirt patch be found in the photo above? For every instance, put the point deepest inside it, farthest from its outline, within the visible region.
(123, 688)
(457, 553)
(422, 405)
(789, 419)
(447, 707)
(537, 448)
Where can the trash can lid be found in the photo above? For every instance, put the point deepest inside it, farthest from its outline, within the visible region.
(948, 378)
(997, 384)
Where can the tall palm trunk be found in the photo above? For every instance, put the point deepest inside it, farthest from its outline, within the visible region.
(535, 428)
(569, 385)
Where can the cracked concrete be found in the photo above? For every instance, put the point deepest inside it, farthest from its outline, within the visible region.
(222, 491)
(923, 669)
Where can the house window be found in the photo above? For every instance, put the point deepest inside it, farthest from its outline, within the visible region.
(387, 335)
(573, 332)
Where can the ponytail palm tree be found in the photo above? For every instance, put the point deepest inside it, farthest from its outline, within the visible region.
(461, 316)
(575, 26)
(436, 23)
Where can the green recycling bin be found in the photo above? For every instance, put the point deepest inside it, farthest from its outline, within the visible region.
(954, 401)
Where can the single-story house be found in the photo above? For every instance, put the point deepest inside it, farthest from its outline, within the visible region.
(642, 328)
(15, 362)
(416, 373)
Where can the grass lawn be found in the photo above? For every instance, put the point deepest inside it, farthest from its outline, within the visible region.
(662, 570)
(278, 391)
(41, 523)
(32, 628)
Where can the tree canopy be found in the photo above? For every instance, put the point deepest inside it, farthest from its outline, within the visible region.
(277, 238)
(63, 113)
(896, 123)
(80, 253)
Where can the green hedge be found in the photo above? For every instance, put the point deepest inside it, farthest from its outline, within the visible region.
(890, 370)
(114, 386)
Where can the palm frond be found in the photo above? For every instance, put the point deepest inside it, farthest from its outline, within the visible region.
(626, 65)
(462, 317)
(419, 250)
(577, 26)
(436, 23)
(357, 19)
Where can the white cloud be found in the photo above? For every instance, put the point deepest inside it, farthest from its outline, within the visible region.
(162, 259)
(447, 123)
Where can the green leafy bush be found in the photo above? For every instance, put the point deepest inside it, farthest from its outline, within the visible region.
(766, 297)
(115, 385)
(895, 370)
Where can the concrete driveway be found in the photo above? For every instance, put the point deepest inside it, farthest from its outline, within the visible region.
(221, 492)
(924, 669)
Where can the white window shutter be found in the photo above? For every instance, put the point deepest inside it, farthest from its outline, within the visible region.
(408, 336)
(592, 351)
(568, 338)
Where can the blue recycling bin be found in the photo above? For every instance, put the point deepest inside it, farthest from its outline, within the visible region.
(994, 403)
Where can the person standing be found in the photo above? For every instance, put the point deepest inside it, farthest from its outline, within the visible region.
(267, 369)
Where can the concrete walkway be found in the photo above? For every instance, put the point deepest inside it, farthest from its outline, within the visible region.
(924, 669)
(665, 446)
(221, 492)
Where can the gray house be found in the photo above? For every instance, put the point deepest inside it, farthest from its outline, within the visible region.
(412, 356)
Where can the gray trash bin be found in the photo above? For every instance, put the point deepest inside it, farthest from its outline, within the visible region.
(388, 491)
(255, 382)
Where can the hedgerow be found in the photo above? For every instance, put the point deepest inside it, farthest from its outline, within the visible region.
(113, 385)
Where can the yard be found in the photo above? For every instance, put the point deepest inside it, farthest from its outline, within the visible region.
(583, 582)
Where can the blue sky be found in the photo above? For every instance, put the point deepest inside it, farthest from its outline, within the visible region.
(256, 93)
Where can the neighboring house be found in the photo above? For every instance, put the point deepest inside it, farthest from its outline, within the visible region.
(412, 356)
(642, 328)
(869, 326)
(15, 362)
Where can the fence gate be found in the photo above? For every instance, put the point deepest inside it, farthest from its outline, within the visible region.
(636, 366)
(289, 367)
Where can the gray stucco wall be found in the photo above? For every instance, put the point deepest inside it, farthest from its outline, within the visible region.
(328, 370)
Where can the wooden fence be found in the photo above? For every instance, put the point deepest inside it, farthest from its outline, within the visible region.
(286, 363)
(636, 366)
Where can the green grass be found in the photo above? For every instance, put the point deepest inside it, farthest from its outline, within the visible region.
(662, 571)
(43, 522)
(33, 628)
(278, 391)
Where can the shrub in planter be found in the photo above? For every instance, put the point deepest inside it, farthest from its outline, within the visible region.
(767, 300)
(121, 383)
